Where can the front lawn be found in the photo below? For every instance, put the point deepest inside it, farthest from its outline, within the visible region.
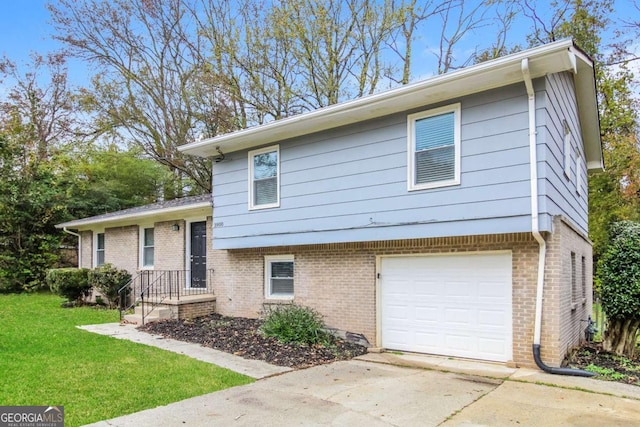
(46, 360)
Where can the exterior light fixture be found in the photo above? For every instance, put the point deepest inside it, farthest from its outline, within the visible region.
(175, 227)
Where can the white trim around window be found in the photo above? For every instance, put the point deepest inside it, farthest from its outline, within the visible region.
(264, 178)
(99, 245)
(147, 246)
(433, 148)
(567, 150)
(279, 277)
(579, 175)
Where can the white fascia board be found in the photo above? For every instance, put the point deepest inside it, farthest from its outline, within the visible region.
(547, 59)
(155, 215)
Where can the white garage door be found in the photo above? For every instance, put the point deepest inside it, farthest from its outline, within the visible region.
(453, 305)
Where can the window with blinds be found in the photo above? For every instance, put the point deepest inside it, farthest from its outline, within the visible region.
(264, 171)
(279, 276)
(434, 148)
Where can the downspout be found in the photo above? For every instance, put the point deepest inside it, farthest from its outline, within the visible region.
(535, 231)
(73, 233)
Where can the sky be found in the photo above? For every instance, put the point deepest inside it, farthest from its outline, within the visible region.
(25, 27)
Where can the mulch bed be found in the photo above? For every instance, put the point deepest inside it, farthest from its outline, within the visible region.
(241, 336)
(593, 354)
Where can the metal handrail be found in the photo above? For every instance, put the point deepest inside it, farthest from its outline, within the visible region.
(159, 283)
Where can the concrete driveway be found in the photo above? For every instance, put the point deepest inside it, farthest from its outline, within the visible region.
(387, 390)
(363, 393)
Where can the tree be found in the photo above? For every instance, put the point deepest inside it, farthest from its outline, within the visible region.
(30, 205)
(619, 276)
(99, 180)
(35, 119)
(42, 116)
(152, 82)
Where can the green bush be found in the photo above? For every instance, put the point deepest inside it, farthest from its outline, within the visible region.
(70, 283)
(292, 323)
(108, 280)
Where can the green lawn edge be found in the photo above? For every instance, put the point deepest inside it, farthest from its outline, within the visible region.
(46, 360)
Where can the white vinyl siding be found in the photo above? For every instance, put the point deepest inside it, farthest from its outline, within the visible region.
(434, 148)
(99, 249)
(264, 178)
(279, 277)
(148, 242)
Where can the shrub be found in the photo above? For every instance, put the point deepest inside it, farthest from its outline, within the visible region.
(619, 277)
(70, 283)
(292, 323)
(108, 280)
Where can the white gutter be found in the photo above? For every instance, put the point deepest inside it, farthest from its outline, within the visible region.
(79, 244)
(535, 231)
(535, 223)
(133, 216)
(546, 59)
(533, 178)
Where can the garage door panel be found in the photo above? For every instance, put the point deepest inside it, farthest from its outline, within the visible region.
(456, 305)
(458, 316)
(427, 314)
(491, 318)
(460, 343)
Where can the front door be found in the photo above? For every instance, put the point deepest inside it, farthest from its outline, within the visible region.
(199, 254)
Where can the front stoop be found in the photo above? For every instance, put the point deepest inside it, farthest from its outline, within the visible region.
(187, 307)
(159, 313)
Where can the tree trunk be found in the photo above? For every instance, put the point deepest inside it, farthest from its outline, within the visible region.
(620, 336)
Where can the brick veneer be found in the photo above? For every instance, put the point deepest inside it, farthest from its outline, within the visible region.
(86, 248)
(169, 245)
(121, 247)
(565, 329)
(339, 280)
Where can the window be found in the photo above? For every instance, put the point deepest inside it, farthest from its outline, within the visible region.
(264, 176)
(574, 284)
(279, 276)
(567, 150)
(579, 175)
(434, 148)
(584, 280)
(147, 247)
(99, 249)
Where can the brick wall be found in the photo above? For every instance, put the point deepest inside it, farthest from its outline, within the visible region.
(121, 247)
(564, 326)
(86, 248)
(169, 246)
(196, 309)
(339, 280)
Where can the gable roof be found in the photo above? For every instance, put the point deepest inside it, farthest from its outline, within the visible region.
(551, 58)
(165, 210)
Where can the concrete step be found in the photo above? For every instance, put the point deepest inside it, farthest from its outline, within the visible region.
(159, 313)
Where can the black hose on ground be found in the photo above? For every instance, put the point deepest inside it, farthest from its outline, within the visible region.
(558, 371)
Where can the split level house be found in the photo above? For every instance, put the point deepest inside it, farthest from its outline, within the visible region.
(446, 216)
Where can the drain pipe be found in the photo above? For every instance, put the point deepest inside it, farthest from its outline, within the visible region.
(73, 233)
(535, 231)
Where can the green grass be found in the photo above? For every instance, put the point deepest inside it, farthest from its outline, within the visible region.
(46, 360)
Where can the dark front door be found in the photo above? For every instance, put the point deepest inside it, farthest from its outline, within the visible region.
(199, 254)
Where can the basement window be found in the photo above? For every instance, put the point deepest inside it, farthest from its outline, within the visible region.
(279, 277)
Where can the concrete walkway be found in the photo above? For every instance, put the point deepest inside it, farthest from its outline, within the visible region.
(253, 368)
(388, 390)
